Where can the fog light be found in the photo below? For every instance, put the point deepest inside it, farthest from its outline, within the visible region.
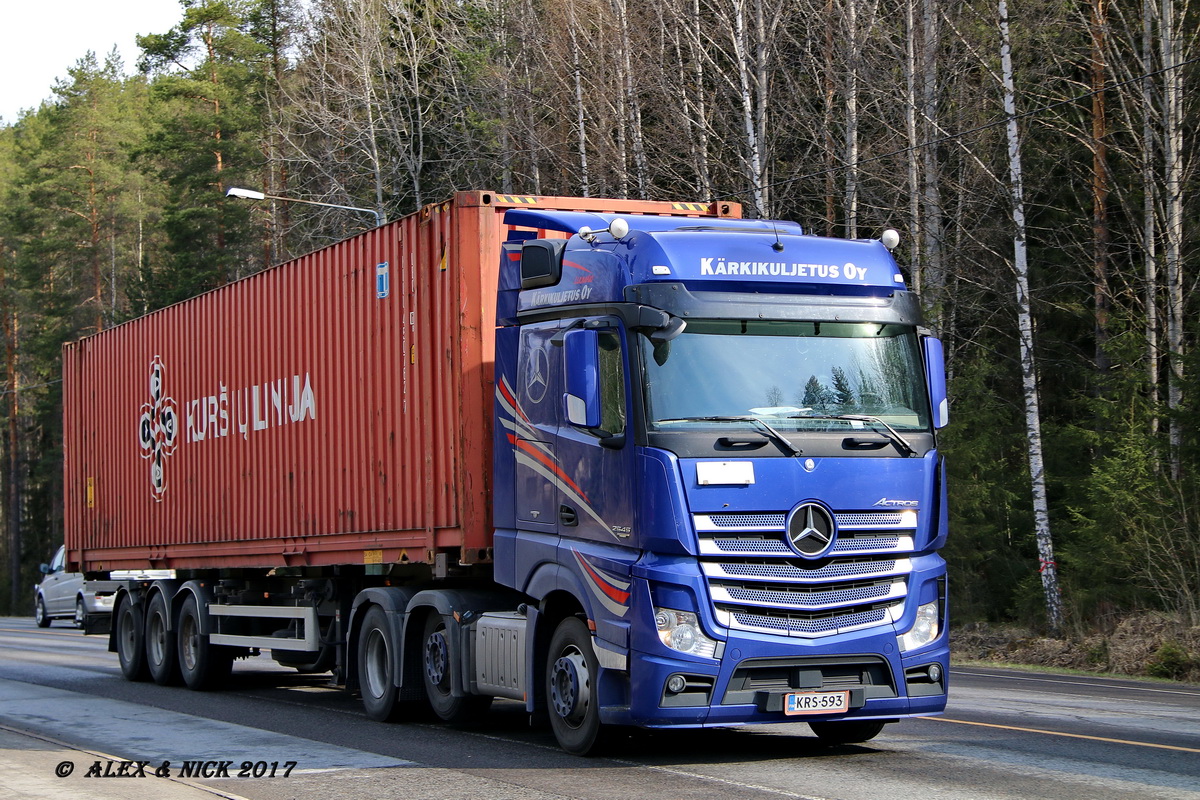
(676, 684)
(935, 673)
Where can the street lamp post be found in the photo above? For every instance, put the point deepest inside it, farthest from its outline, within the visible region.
(250, 194)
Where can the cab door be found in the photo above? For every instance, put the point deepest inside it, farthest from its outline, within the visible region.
(597, 467)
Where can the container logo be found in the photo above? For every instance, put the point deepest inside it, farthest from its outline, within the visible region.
(158, 429)
(383, 280)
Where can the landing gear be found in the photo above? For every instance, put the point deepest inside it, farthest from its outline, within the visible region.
(571, 691)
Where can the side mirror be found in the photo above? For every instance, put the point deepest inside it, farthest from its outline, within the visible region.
(541, 262)
(582, 398)
(44, 569)
(935, 374)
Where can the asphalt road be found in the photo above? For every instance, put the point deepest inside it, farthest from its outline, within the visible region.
(1006, 734)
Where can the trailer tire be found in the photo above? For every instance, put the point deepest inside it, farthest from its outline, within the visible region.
(203, 665)
(849, 731)
(571, 687)
(131, 641)
(376, 667)
(436, 665)
(162, 650)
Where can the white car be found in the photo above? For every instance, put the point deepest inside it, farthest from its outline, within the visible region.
(65, 595)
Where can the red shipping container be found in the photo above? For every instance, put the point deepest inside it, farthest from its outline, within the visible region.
(335, 409)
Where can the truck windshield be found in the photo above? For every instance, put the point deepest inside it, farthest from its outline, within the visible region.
(797, 376)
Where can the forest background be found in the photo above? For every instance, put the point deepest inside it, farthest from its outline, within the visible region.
(1038, 159)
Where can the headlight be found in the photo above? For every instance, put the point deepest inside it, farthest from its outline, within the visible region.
(680, 630)
(923, 631)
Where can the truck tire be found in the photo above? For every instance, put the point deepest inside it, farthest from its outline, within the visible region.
(39, 613)
(571, 683)
(437, 664)
(131, 641)
(376, 667)
(162, 651)
(203, 665)
(850, 731)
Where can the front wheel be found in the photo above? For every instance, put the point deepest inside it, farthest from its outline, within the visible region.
(80, 613)
(39, 613)
(851, 731)
(437, 665)
(571, 688)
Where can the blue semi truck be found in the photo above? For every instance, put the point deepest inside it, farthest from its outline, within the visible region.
(714, 498)
(720, 438)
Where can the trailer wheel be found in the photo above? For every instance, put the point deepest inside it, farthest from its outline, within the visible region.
(376, 667)
(571, 675)
(203, 665)
(131, 638)
(437, 666)
(162, 653)
(850, 731)
(39, 613)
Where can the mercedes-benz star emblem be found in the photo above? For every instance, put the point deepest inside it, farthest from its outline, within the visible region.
(811, 530)
(535, 377)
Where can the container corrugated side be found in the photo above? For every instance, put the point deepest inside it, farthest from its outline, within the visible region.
(335, 409)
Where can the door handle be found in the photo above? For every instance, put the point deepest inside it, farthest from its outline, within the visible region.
(567, 516)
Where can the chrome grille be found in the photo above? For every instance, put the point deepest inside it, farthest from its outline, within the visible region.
(758, 582)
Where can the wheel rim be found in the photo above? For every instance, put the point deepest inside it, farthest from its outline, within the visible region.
(189, 641)
(79, 613)
(156, 635)
(437, 657)
(39, 611)
(571, 687)
(378, 664)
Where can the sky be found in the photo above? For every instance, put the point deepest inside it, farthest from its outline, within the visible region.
(41, 39)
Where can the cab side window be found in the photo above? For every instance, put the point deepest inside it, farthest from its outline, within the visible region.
(612, 383)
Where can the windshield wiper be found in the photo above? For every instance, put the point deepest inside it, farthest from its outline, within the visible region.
(771, 433)
(888, 430)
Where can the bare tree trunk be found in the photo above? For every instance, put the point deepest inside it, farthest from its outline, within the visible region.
(1100, 234)
(580, 113)
(852, 119)
(633, 110)
(914, 156)
(828, 93)
(932, 218)
(1173, 200)
(1149, 213)
(1033, 425)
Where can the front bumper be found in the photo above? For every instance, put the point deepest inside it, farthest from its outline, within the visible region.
(754, 674)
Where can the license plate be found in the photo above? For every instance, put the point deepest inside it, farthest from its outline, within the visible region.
(816, 703)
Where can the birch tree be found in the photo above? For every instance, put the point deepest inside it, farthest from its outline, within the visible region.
(1033, 425)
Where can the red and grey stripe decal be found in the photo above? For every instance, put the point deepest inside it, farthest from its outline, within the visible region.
(610, 592)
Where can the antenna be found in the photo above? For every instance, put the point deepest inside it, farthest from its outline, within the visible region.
(778, 245)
